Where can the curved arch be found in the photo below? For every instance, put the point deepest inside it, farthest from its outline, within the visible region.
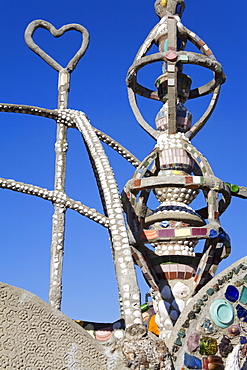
(126, 276)
(114, 219)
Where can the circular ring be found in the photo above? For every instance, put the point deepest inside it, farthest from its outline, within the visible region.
(186, 58)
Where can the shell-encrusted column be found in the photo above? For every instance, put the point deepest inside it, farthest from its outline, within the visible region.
(175, 171)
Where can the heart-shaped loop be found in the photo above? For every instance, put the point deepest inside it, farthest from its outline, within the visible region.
(32, 27)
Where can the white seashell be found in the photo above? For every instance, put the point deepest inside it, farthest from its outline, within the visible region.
(162, 309)
(233, 359)
(118, 334)
(180, 304)
(165, 334)
(155, 305)
(180, 290)
(168, 324)
(161, 138)
(157, 319)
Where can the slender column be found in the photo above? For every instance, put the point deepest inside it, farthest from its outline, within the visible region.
(58, 222)
(172, 77)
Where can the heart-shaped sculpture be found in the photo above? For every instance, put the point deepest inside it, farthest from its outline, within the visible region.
(32, 27)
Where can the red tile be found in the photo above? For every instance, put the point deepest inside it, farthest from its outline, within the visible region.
(167, 274)
(188, 275)
(181, 275)
(199, 231)
(188, 179)
(137, 182)
(173, 275)
(216, 215)
(166, 233)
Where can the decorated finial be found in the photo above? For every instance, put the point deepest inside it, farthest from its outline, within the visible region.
(165, 7)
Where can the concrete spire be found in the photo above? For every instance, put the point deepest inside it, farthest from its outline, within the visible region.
(165, 7)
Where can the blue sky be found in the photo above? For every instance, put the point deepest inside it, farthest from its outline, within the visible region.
(117, 30)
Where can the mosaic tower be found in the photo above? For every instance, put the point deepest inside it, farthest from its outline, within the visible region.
(175, 171)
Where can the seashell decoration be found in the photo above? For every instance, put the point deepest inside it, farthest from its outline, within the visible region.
(180, 290)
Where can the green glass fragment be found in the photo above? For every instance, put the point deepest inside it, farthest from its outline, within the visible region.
(178, 342)
(208, 346)
(235, 188)
(144, 307)
(229, 275)
(181, 333)
(210, 291)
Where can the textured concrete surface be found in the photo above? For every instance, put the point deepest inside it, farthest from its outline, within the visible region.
(33, 335)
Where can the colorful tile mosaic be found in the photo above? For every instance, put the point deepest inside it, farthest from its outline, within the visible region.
(227, 318)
